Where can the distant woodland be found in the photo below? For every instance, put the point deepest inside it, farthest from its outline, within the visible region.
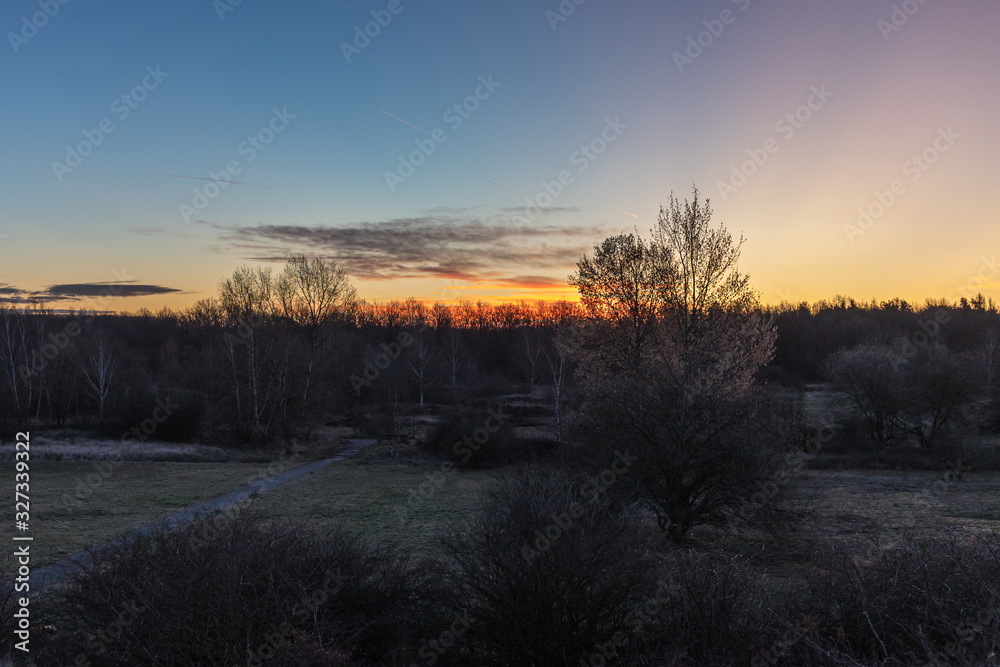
(264, 360)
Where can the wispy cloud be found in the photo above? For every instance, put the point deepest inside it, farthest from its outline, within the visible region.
(203, 178)
(11, 291)
(444, 245)
(119, 290)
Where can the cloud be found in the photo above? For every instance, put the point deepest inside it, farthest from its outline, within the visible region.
(10, 294)
(533, 282)
(122, 290)
(444, 245)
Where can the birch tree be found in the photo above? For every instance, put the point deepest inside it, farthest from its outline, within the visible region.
(313, 294)
(101, 371)
(419, 361)
(247, 299)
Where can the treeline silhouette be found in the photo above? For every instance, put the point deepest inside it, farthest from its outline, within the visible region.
(256, 372)
(809, 333)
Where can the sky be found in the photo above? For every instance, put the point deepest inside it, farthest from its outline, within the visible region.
(468, 149)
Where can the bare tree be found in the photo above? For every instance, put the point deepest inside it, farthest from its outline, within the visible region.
(621, 289)
(937, 387)
(556, 360)
(918, 398)
(313, 295)
(397, 418)
(247, 299)
(532, 350)
(101, 370)
(867, 375)
(455, 361)
(420, 361)
(18, 370)
(991, 342)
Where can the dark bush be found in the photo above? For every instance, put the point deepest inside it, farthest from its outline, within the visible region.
(183, 411)
(239, 591)
(845, 444)
(920, 602)
(8, 606)
(545, 574)
(463, 437)
(710, 609)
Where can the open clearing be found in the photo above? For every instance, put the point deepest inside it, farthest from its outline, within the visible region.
(410, 500)
(135, 494)
(367, 497)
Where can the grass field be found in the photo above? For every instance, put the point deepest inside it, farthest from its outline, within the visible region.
(847, 506)
(134, 494)
(408, 499)
(369, 497)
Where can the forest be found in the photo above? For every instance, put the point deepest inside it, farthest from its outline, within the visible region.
(248, 365)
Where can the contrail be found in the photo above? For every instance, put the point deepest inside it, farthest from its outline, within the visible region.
(515, 192)
(404, 121)
(624, 211)
(202, 178)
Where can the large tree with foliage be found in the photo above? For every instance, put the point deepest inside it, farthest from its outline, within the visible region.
(670, 352)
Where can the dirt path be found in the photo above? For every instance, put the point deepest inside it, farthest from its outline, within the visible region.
(46, 576)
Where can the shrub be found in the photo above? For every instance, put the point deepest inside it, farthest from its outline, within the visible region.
(239, 591)
(463, 438)
(545, 575)
(921, 602)
(711, 609)
(8, 606)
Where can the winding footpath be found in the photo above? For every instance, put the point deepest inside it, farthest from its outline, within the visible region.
(49, 575)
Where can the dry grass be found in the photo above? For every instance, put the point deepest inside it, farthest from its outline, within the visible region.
(132, 495)
(91, 449)
(366, 494)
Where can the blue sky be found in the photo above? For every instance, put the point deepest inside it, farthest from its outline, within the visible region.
(451, 229)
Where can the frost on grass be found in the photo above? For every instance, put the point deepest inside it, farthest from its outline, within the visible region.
(91, 449)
